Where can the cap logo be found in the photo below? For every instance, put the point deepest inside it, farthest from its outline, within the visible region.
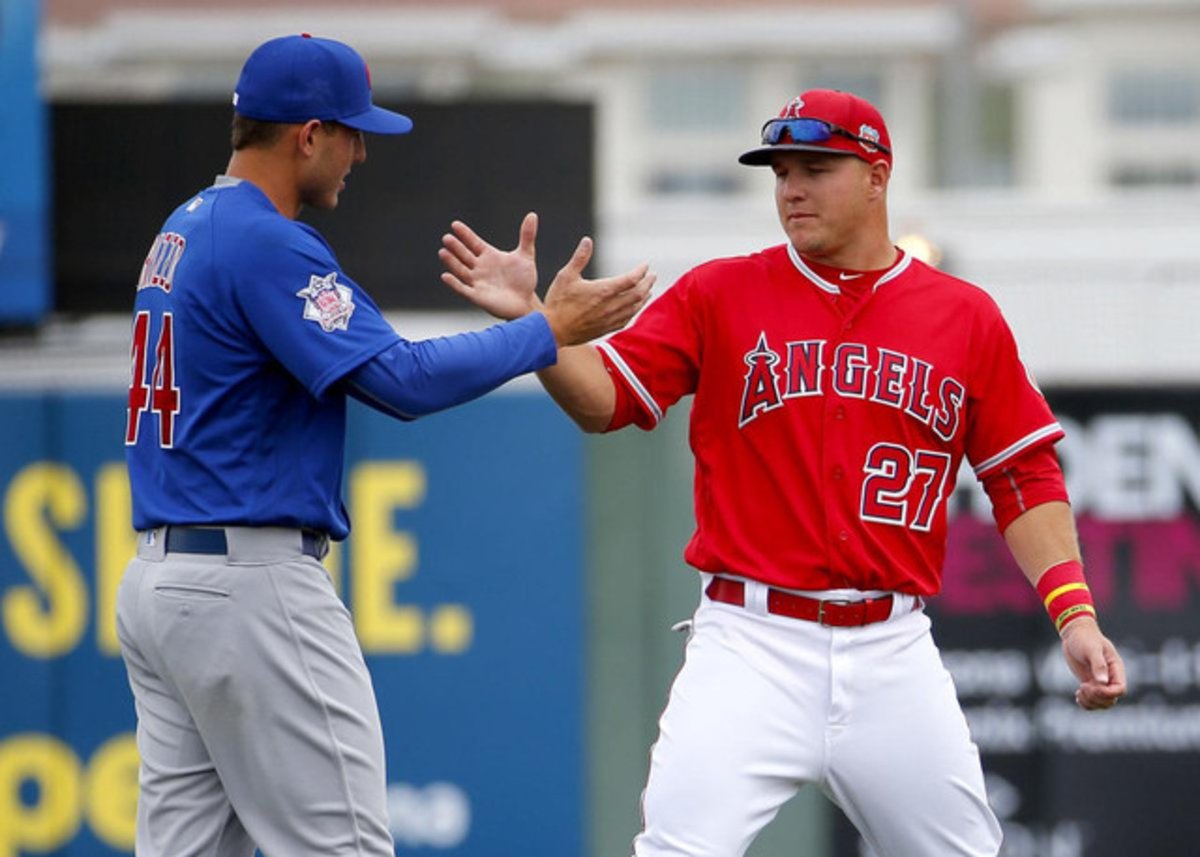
(869, 132)
(792, 109)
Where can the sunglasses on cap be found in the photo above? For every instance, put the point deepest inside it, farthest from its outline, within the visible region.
(810, 131)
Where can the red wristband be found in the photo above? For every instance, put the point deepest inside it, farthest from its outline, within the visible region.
(1065, 593)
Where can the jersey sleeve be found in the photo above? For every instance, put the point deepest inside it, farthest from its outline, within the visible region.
(411, 379)
(1007, 413)
(655, 361)
(317, 322)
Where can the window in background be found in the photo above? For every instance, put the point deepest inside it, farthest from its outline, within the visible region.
(693, 114)
(994, 161)
(713, 181)
(695, 97)
(1148, 99)
(1154, 96)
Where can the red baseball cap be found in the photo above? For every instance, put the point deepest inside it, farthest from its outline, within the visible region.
(824, 120)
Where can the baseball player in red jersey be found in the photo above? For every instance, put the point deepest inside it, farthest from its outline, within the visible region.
(838, 383)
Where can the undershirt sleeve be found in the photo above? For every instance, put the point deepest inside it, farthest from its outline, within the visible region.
(1032, 478)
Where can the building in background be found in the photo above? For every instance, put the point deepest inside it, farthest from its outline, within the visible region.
(1049, 149)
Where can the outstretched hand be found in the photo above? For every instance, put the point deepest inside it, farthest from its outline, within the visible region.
(505, 284)
(580, 310)
(501, 283)
(1097, 664)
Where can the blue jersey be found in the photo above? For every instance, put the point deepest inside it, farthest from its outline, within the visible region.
(242, 323)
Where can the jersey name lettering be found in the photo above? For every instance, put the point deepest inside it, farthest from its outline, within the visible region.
(159, 268)
(857, 371)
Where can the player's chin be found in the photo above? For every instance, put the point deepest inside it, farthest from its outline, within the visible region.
(804, 238)
(326, 202)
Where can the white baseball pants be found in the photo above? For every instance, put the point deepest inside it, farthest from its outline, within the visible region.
(765, 704)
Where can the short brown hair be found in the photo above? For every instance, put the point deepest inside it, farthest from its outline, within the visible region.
(249, 133)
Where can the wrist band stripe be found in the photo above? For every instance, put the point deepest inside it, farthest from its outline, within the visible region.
(1073, 613)
(1062, 590)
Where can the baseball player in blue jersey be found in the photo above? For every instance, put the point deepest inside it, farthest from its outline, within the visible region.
(257, 721)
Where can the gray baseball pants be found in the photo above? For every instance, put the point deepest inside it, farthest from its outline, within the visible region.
(257, 720)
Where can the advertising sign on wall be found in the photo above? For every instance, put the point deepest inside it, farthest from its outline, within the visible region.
(1065, 782)
(463, 574)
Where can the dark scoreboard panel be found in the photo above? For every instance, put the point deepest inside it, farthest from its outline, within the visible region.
(120, 169)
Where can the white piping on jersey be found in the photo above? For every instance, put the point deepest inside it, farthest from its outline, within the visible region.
(832, 288)
(226, 181)
(634, 383)
(1018, 447)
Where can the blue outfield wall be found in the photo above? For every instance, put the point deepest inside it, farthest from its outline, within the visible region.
(464, 574)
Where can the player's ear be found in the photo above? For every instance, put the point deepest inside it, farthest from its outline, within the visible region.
(878, 175)
(306, 136)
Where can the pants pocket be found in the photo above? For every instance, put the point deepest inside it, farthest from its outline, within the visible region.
(190, 592)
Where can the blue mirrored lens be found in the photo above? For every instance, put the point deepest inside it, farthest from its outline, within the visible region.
(798, 130)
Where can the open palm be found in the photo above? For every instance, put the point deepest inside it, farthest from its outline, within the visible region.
(501, 283)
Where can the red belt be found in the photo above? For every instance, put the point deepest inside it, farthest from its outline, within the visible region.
(836, 613)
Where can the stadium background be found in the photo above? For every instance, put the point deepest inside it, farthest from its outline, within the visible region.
(513, 582)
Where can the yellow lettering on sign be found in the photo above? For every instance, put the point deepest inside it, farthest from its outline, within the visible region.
(383, 557)
(48, 618)
(116, 544)
(451, 629)
(54, 818)
(111, 794)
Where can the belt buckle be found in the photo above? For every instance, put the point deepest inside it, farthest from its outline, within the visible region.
(840, 602)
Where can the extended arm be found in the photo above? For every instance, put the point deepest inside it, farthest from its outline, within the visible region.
(410, 379)
(1041, 538)
(582, 387)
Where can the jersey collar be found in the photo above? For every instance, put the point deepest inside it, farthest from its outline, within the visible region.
(825, 285)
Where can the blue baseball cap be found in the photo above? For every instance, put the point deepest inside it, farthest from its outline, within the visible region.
(297, 78)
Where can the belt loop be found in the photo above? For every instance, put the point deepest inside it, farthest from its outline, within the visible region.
(152, 544)
(756, 597)
(315, 544)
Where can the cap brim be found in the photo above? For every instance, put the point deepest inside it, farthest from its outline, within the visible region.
(376, 120)
(761, 157)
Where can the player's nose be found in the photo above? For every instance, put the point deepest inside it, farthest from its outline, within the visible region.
(793, 189)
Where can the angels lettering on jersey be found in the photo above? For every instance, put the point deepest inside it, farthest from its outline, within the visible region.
(852, 371)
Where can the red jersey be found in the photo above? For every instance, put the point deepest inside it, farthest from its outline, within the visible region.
(828, 436)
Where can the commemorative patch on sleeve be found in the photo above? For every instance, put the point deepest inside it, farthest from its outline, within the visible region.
(327, 302)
